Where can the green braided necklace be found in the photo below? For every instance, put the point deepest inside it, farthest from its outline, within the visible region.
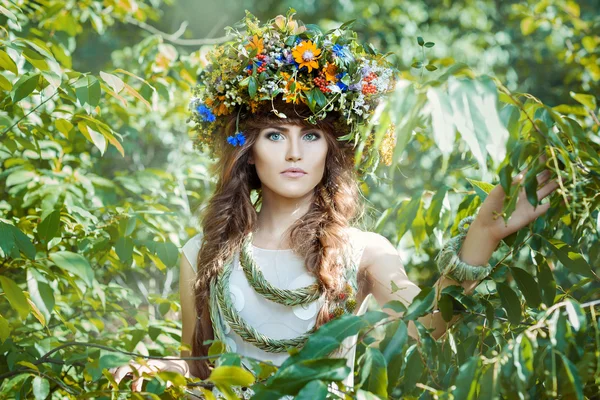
(294, 297)
(220, 304)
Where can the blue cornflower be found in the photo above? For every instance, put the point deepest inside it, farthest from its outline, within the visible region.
(342, 52)
(205, 113)
(341, 84)
(338, 50)
(238, 140)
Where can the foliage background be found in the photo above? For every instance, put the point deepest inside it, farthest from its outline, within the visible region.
(100, 187)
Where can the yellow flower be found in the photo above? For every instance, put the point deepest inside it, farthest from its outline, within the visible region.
(330, 72)
(306, 54)
(258, 44)
(386, 149)
(295, 94)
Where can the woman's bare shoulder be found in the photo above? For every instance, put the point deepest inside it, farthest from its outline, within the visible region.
(373, 243)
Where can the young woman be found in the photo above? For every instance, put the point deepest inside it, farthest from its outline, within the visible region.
(278, 255)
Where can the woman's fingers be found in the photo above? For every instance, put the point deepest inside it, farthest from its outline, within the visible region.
(543, 176)
(121, 372)
(136, 386)
(548, 188)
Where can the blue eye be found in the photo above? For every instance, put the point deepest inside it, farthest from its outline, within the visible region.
(315, 135)
(269, 135)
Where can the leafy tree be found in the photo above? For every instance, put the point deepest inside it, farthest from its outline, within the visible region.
(99, 181)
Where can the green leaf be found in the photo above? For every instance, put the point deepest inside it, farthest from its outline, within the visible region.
(429, 44)
(421, 304)
(573, 380)
(432, 216)
(481, 188)
(7, 63)
(528, 286)
(570, 258)
(430, 67)
(446, 306)
(314, 390)
(523, 358)
(124, 249)
(41, 388)
(40, 293)
(4, 329)
(24, 86)
(394, 341)
(230, 375)
(36, 59)
(374, 373)
(49, 227)
(407, 214)
(466, 384)
(577, 317)
(113, 81)
(252, 87)
(546, 282)
(75, 264)
(12, 240)
(489, 383)
(420, 41)
(510, 302)
(328, 338)
(87, 90)
(168, 253)
(414, 369)
(586, 99)
(395, 305)
(291, 379)
(15, 296)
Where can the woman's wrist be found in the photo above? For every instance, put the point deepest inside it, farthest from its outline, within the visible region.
(478, 245)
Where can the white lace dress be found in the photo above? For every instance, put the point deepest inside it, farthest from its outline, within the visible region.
(283, 269)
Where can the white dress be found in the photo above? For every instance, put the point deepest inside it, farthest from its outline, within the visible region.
(283, 269)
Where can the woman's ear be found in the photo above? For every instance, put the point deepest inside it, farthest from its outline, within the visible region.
(250, 159)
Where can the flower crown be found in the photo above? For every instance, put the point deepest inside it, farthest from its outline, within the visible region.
(301, 64)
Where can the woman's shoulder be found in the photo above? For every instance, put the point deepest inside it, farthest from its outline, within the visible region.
(191, 248)
(368, 244)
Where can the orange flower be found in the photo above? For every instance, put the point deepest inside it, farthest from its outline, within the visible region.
(330, 72)
(221, 109)
(258, 44)
(295, 94)
(306, 54)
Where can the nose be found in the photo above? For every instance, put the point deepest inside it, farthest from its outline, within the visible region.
(294, 149)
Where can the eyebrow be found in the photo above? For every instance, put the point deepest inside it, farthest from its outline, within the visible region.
(281, 128)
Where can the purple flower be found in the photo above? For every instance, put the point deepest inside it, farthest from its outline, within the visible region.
(355, 87)
(205, 113)
(238, 140)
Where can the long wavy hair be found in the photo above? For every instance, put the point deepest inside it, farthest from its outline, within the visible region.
(230, 213)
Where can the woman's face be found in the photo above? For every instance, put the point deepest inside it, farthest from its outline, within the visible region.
(278, 148)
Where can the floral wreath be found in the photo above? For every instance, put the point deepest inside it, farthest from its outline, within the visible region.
(326, 71)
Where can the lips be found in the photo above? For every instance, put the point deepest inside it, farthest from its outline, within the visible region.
(294, 170)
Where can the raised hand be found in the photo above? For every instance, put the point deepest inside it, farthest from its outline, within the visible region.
(489, 216)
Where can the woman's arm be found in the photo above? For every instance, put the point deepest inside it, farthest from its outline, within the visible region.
(188, 308)
(383, 264)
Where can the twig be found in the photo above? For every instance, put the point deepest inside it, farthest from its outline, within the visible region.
(174, 37)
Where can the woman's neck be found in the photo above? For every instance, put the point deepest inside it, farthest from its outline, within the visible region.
(277, 215)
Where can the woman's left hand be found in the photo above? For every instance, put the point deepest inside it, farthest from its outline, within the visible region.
(489, 216)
